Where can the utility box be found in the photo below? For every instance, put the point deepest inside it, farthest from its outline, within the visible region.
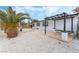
(64, 36)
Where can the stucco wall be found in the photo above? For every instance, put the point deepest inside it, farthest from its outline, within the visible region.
(39, 27)
(75, 21)
(68, 24)
(50, 25)
(60, 25)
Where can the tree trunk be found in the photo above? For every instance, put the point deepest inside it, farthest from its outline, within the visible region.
(12, 32)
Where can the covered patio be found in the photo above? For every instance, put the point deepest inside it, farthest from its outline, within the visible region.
(57, 33)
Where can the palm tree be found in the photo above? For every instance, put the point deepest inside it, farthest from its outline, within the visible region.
(34, 20)
(11, 20)
(76, 10)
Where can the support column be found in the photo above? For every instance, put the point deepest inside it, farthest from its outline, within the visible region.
(64, 22)
(71, 24)
(64, 34)
(54, 24)
(45, 25)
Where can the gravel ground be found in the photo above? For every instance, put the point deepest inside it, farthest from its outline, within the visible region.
(34, 41)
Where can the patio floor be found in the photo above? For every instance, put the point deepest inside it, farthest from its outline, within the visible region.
(57, 35)
(35, 41)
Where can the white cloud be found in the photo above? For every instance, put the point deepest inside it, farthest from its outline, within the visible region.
(50, 10)
(36, 11)
(19, 9)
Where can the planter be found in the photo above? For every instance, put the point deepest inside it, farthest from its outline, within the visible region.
(21, 29)
(12, 32)
(54, 30)
(64, 36)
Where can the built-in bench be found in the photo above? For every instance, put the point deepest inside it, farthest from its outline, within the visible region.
(63, 31)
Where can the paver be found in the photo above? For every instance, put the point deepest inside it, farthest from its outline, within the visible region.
(34, 41)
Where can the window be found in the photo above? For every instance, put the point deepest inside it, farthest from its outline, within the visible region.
(46, 23)
(33, 25)
(43, 23)
(38, 24)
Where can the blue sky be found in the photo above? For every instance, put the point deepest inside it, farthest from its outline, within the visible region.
(40, 12)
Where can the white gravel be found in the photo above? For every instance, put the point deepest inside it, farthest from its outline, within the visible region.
(33, 41)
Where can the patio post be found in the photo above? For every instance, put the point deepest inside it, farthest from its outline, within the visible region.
(71, 24)
(64, 22)
(64, 34)
(45, 25)
(54, 23)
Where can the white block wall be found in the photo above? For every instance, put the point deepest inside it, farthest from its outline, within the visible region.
(39, 27)
(68, 24)
(75, 21)
(60, 25)
(50, 25)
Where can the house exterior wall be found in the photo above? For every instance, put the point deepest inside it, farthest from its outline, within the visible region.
(75, 21)
(41, 26)
(38, 27)
(50, 26)
(60, 25)
(68, 24)
(35, 26)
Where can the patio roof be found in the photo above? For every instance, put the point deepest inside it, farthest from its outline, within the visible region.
(61, 16)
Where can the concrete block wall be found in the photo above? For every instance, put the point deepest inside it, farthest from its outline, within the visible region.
(59, 24)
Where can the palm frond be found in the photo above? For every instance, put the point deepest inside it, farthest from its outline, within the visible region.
(10, 16)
